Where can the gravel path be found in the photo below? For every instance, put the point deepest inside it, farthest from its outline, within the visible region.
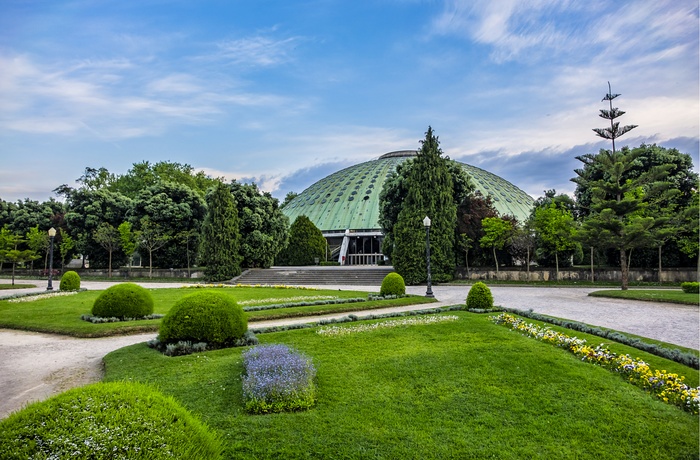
(34, 366)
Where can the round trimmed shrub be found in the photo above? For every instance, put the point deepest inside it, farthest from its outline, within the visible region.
(480, 296)
(393, 285)
(691, 287)
(211, 317)
(125, 300)
(107, 420)
(70, 281)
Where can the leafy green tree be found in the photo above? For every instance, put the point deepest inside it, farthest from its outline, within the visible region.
(86, 210)
(128, 239)
(430, 192)
(688, 241)
(152, 237)
(65, 247)
(497, 233)
(108, 237)
(220, 251)
(523, 242)
(9, 252)
(306, 244)
(395, 191)
(38, 242)
(145, 175)
(619, 198)
(263, 226)
(465, 244)
(470, 213)
(288, 198)
(556, 229)
(175, 208)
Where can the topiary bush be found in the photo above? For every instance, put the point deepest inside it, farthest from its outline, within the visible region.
(393, 285)
(70, 281)
(125, 300)
(211, 317)
(691, 287)
(479, 296)
(107, 420)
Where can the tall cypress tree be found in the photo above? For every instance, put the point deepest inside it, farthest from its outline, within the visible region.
(429, 193)
(220, 236)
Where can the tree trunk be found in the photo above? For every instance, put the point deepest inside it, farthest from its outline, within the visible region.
(592, 272)
(150, 263)
(556, 259)
(13, 273)
(625, 269)
(528, 263)
(495, 258)
(660, 264)
(466, 261)
(109, 274)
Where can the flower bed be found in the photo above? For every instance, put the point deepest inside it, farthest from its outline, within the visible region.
(665, 386)
(277, 379)
(32, 298)
(337, 330)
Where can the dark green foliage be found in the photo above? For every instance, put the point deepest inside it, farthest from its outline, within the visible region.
(263, 226)
(107, 420)
(306, 243)
(430, 193)
(392, 284)
(86, 210)
(211, 317)
(70, 281)
(178, 211)
(471, 212)
(144, 175)
(480, 297)
(220, 250)
(125, 300)
(691, 288)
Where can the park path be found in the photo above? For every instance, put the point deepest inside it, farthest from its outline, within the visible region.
(34, 366)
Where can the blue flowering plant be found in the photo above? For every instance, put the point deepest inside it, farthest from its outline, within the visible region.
(277, 379)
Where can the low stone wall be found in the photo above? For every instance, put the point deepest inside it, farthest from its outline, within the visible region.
(122, 272)
(672, 275)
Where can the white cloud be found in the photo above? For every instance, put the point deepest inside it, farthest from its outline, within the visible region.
(257, 51)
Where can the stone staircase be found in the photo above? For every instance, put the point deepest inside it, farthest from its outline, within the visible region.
(313, 275)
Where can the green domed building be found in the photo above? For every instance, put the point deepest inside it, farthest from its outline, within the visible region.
(345, 205)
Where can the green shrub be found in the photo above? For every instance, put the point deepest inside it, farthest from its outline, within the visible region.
(125, 300)
(107, 420)
(691, 288)
(211, 317)
(479, 296)
(70, 281)
(393, 285)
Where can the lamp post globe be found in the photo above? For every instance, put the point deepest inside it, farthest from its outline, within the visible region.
(52, 235)
(426, 224)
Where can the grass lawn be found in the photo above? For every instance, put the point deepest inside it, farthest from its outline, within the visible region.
(16, 286)
(462, 389)
(652, 295)
(61, 315)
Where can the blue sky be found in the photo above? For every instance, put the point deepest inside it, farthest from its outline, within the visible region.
(284, 92)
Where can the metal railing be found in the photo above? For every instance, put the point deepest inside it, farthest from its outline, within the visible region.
(363, 259)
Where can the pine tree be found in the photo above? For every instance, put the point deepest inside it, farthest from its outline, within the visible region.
(220, 236)
(618, 201)
(429, 193)
(306, 244)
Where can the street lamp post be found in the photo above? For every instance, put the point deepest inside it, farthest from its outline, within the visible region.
(52, 235)
(426, 224)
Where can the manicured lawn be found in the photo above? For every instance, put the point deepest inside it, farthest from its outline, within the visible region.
(464, 389)
(652, 295)
(61, 315)
(16, 286)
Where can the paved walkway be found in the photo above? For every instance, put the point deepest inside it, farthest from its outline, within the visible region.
(34, 366)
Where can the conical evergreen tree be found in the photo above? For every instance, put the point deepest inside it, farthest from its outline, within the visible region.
(430, 193)
(220, 236)
(306, 244)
